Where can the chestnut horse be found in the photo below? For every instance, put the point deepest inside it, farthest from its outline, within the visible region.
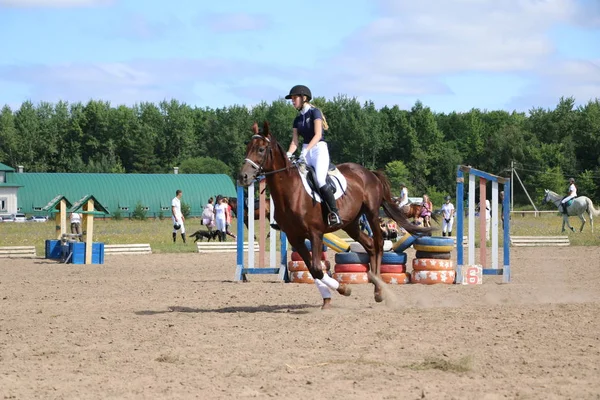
(300, 219)
(413, 210)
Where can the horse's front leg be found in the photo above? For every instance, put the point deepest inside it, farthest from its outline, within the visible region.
(582, 218)
(322, 278)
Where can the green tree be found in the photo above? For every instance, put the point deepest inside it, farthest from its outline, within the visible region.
(9, 153)
(586, 185)
(204, 165)
(398, 174)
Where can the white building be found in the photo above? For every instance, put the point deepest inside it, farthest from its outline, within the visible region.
(8, 191)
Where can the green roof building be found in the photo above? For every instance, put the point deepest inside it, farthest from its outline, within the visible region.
(119, 192)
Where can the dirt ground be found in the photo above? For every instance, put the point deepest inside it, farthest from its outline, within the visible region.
(176, 326)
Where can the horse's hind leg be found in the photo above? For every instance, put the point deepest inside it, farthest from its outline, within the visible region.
(373, 247)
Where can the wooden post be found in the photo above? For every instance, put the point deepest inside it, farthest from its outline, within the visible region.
(261, 223)
(482, 222)
(61, 219)
(88, 228)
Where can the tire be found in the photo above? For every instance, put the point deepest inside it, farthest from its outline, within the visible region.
(433, 249)
(433, 277)
(396, 279)
(294, 266)
(432, 264)
(391, 257)
(296, 256)
(437, 256)
(393, 269)
(435, 241)
(351, 277)
(309, 246)
(404, 243)
(301, 277)
(350, 268)
(352, 258)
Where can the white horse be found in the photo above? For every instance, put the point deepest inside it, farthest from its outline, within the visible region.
(580, 205)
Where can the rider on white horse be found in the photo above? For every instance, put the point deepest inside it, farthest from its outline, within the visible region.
(572, 195)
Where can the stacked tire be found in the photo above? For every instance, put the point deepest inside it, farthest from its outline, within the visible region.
(352, 268)
(432, 263)
(297, 269)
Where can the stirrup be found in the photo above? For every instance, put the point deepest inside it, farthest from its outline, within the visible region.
(334, 219)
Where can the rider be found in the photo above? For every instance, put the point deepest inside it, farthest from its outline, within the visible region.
(310, 123)
(572, 195)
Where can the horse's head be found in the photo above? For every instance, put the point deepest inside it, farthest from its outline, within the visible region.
(260, 153)
(546, 196)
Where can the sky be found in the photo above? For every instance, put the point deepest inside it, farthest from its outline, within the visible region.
(452, 55)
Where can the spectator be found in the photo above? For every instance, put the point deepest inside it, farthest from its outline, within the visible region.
(448, 215)
(208, 215)
(177, 215)
(403, 195)
(220, 217)
(228, 218)
(426, 208)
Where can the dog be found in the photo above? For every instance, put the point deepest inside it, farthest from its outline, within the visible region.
(210, 235)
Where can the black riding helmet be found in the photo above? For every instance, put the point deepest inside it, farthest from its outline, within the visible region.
(300, 90)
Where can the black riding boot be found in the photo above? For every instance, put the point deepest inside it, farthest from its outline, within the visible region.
(333, 218)
(174, 236)
(564, 207)
(183, 237)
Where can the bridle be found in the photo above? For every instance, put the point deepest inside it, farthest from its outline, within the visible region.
(260, 168)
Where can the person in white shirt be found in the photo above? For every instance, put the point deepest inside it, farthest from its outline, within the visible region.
(448, 214)
(75, 220)
(403, 195)
(572, 194)
(208, 215)
(177, 216)
(220, 217)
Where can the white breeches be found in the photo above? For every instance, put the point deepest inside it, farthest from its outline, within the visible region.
(221, 222)
(447, 226)
(318, 158)
(180, 222)
(568, 198)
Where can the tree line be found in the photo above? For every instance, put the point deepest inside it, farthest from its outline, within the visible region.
(419, 147)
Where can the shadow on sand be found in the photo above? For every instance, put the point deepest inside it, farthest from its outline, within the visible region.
(285, 308)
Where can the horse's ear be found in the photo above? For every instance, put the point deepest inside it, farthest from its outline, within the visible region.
(255, 128)
(266, 129)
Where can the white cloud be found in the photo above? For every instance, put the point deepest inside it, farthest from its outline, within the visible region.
(53, 3)
(415, 44)
(568, 78)
(141, 80)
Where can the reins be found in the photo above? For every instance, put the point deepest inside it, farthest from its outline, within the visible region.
(260, 168)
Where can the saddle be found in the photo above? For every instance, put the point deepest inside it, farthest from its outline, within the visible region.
(311, 179)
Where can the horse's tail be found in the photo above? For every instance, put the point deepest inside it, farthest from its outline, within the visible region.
(591, 208)
(395, 213)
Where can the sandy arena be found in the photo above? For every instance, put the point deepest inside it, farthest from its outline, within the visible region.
(176, 326)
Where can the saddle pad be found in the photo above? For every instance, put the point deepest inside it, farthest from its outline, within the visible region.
(337, 178)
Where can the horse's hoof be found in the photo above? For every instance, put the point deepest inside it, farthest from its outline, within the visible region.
(326, 304)
(378, 297)
(344, 290)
